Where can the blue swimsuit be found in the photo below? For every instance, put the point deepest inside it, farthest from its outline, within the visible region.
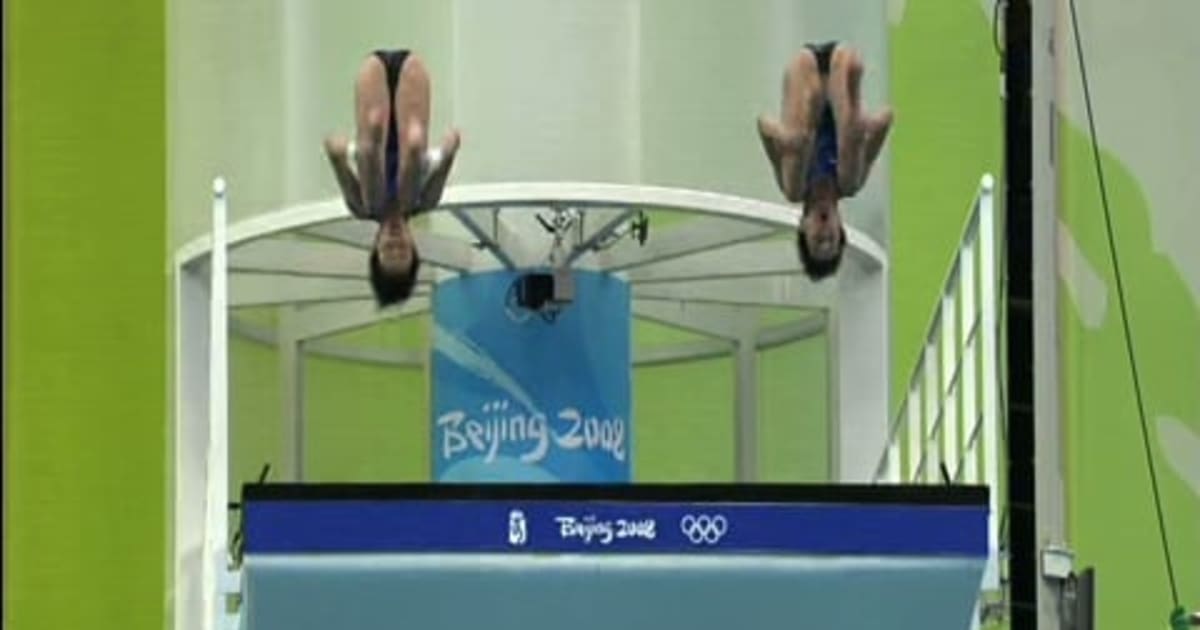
(825, 150)
(393, 61)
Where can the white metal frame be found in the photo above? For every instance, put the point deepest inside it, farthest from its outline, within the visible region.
(706, 275)
(957, 374)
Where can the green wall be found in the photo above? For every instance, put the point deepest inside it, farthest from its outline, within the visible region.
(948, 133)
(683, 421)
(1148, 156)
(85, 314)
(1111, 513)
(384, 437)
(255, 409)
(793, 412)
(365, 422)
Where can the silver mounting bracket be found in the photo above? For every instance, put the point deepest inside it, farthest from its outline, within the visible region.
(1058, 563)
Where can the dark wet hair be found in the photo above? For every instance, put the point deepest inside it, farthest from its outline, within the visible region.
(818, 269)
(391, 288)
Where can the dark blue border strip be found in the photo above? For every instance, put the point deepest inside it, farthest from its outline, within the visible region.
(626, 492)
(516, 526)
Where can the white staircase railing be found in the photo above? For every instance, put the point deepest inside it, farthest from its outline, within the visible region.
(946, 426)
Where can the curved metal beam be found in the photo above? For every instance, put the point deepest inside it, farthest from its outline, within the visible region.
(780, 292)
(712, 320)
(768, 258)
(580, 195)
(289, 256)
(690, 237)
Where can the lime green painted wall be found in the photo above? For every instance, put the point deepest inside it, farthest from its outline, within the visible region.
(684, 415)
(85, 315)
(948, 132)
(1111, 512)
(255, 403)
(793, 412)
(366, 423)
(683, 422)
(411, 332)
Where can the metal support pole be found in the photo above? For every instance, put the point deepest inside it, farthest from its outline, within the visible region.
(1049, 460)
(291, 372)
(216, 516)
(746, 410)
(1023, 542)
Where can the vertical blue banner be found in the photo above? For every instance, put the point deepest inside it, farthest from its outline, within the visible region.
(518, 397)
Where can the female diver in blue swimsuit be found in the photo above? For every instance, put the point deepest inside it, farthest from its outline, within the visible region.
(387, 174)
(822, 147)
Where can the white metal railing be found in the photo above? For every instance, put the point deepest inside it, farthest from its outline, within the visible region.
(946, 426)
(219, 579)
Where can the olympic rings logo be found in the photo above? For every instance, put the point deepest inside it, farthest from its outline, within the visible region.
(703, 528)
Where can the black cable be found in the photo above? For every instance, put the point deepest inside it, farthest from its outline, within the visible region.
(1001, 322)
(1112, 249)
(996, 29)
(237, 543)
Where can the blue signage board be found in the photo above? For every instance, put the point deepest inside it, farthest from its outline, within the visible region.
(523, 526)
(521, 396)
